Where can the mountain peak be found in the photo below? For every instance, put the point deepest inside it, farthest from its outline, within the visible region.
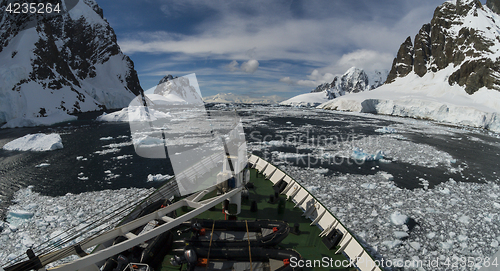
(167, 78)
(463, 34)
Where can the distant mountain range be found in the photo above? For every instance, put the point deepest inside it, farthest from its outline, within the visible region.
(60, 63)
(353, 81)
(234, 98)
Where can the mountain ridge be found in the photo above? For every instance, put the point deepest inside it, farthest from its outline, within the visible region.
(462, 33)
(235, 98)
(62, 63)
(450, 73)
(354, 80)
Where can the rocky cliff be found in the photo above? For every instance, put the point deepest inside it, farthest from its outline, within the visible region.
(462, 34)
(66, 61)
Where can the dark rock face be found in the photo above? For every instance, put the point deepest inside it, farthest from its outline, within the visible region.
(70, 49)
(494, 5)
(167, 78)
(402, 64)
(450, 39)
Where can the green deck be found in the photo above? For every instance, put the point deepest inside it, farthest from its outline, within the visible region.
(308, 244)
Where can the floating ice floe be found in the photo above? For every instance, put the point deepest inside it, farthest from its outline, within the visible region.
(158, 177)
(386, 130)
(359, 154)
(461, 223)
(398, 218)
(35, 142)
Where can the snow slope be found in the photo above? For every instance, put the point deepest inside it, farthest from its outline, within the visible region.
(427, 97)
(307, 99)
(353, 80)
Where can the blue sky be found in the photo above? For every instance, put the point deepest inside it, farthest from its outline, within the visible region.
(261, 48)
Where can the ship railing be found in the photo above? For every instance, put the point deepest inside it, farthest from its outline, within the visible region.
(318, 213)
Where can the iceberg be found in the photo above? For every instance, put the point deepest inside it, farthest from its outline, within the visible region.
(158, 177)
(386, 130)
(398, 218)
(35, 142)
(359, 154)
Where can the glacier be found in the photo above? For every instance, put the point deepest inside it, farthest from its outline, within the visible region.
(428, 97)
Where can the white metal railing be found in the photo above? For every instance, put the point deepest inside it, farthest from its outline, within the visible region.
(318, 213)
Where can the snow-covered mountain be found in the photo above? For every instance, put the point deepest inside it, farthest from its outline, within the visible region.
(353, 81)
(63, 62)
(235, 98)
(462, 33)
(450, 73)
(177, 90)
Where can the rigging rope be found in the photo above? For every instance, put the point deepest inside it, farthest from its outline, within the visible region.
(249, 249)
(75, 232)
(210, 245)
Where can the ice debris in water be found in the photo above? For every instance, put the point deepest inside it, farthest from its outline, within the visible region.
(463, 221)
(35, 220)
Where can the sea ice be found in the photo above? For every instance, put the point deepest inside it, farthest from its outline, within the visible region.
(35, 142)
(401, 234)
(359, 154)
(34, 220)
(398, 219)
(386, 130)
(158, 177)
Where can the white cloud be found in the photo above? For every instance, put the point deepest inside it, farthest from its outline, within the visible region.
(232, 67)
(328, 36)
(314, 79)
(365, 59)
(288, 80)
(250, 66)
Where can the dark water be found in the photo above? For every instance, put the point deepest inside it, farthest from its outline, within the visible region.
(480, 158)
(80, 138)
(477, 160)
